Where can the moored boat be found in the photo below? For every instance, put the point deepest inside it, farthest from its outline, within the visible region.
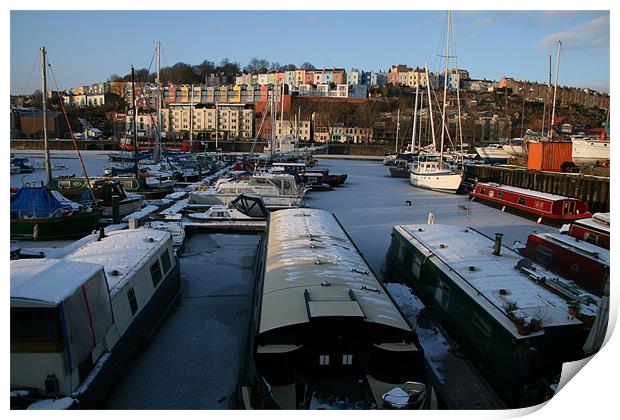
(325, 329)
(594, 230)
(550, 208)
(431, 176)
(77, 321)
(588, 151)
(510, 316)
(493, 153)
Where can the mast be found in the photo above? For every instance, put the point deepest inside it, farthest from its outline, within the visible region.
(445, 90)
(555, 90)
(48, 166)
(415, 117)
(217, 125)
(542, 128)
(158, 148)
(135, 120)
(397, 129)
(191, 119)
(273, 123)
(430, 105)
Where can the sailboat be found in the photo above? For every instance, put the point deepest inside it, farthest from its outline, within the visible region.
(42, 213)
(434, 175)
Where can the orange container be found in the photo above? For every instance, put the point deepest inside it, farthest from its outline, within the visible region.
(549, 155)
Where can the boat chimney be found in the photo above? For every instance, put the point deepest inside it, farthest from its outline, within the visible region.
(101, 234)
(498, 243)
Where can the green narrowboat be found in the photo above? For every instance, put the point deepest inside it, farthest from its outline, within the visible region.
(511, 317)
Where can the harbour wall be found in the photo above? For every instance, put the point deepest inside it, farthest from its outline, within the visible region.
(592, 189)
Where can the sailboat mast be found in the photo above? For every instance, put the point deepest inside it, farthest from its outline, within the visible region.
(48, 166)
(158, 145)
(397, 129)
(273, 123)
(430, 104)
(135, 120)
(445, 89)
(191, 119)
(542, 128)
(415, 117)
(555, 89)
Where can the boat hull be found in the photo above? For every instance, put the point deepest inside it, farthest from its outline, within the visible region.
(492, 155)
(587, 152)
(96, 388)
(57, 228)
(399, 172)
(448, 182)
(515, 150)
(270, 201)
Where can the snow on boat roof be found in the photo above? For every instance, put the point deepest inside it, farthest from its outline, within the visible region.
(533, 193)
(583, 247)
(598, 221)
(309, 251)
(49, 281)
(124, 251)
(465, 248)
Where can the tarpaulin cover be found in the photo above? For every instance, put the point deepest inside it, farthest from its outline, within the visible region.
(40, 202)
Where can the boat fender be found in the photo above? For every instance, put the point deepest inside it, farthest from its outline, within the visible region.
(408, 203)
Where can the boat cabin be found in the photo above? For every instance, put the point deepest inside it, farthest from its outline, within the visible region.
(594, 230)
(549, 207)
(327, 328)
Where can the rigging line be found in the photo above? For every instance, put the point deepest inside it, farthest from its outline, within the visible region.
(36, 61)
(62, 106)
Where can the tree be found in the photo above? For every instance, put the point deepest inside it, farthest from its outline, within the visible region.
(307, 66)
(257, 65)
(288, 67)
(274, 66)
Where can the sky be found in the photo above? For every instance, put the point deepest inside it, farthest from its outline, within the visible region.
(85, 47)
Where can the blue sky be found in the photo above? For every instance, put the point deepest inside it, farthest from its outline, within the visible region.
(88, 46)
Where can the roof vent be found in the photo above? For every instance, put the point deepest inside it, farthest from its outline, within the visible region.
(115, 273)
(503, 292)
(325, 283)
(149, 239)
(420, 230)
(442, 246)
(472, 268)
(317, 262)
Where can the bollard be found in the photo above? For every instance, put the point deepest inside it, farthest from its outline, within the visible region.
(116, 214)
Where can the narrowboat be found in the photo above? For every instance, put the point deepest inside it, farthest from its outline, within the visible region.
(326, 333)
(594, 230)
(503, 310)
(76, 321)
(571, 258)
(550, 208)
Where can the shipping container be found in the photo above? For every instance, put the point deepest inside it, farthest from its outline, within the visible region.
(549, 155)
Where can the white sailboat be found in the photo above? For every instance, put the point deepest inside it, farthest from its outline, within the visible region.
(587, 151)
(434, 175)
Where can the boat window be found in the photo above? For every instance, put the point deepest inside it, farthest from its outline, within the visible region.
(569, 207)
(544, 255)
(483, 190)
(591, 238)
(165, 260)
(521, 200)
(442, 295)
(574, 269)
(133, 302)
(35, 329)
(415, 267)
(491, 193)
(480, 333)
(500, 194)
(155, 273)
(347, 359)
(324, 359)
(401, 251)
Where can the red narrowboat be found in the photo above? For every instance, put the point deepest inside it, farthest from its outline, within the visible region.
(594, 230)
(551, 208)
(571, 258)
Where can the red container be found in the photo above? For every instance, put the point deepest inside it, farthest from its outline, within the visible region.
(549, 155)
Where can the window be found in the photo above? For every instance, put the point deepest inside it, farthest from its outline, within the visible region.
(401, 251)
(442, 295)
(155, 273)
(324, 359)
(544, 255)
(480, 333)
(591, 238)
(483, 190)
(165, 260)
(574, 269)
(521, 200)
(347, 359)
(133, 302)
(415, 267)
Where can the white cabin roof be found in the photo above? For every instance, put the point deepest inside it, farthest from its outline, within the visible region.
(465, 248)
(49, 281)
(306, 248)
(598, 221)
(124, 251)
(532, 193)
(582, 247)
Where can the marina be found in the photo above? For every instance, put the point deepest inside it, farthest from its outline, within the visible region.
(217, 237)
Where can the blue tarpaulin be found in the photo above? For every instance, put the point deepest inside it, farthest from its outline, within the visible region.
(39, 202)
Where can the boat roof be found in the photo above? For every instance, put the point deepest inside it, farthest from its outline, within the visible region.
(599, 221)
(464, 248)
(122, 252)
(582, 247)
(532, 193)
(49, 281)
(313, 269)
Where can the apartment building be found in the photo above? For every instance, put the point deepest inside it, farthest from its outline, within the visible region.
(224, 121)
(289, 129)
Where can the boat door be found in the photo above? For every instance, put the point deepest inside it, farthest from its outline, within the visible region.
(569, 207)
